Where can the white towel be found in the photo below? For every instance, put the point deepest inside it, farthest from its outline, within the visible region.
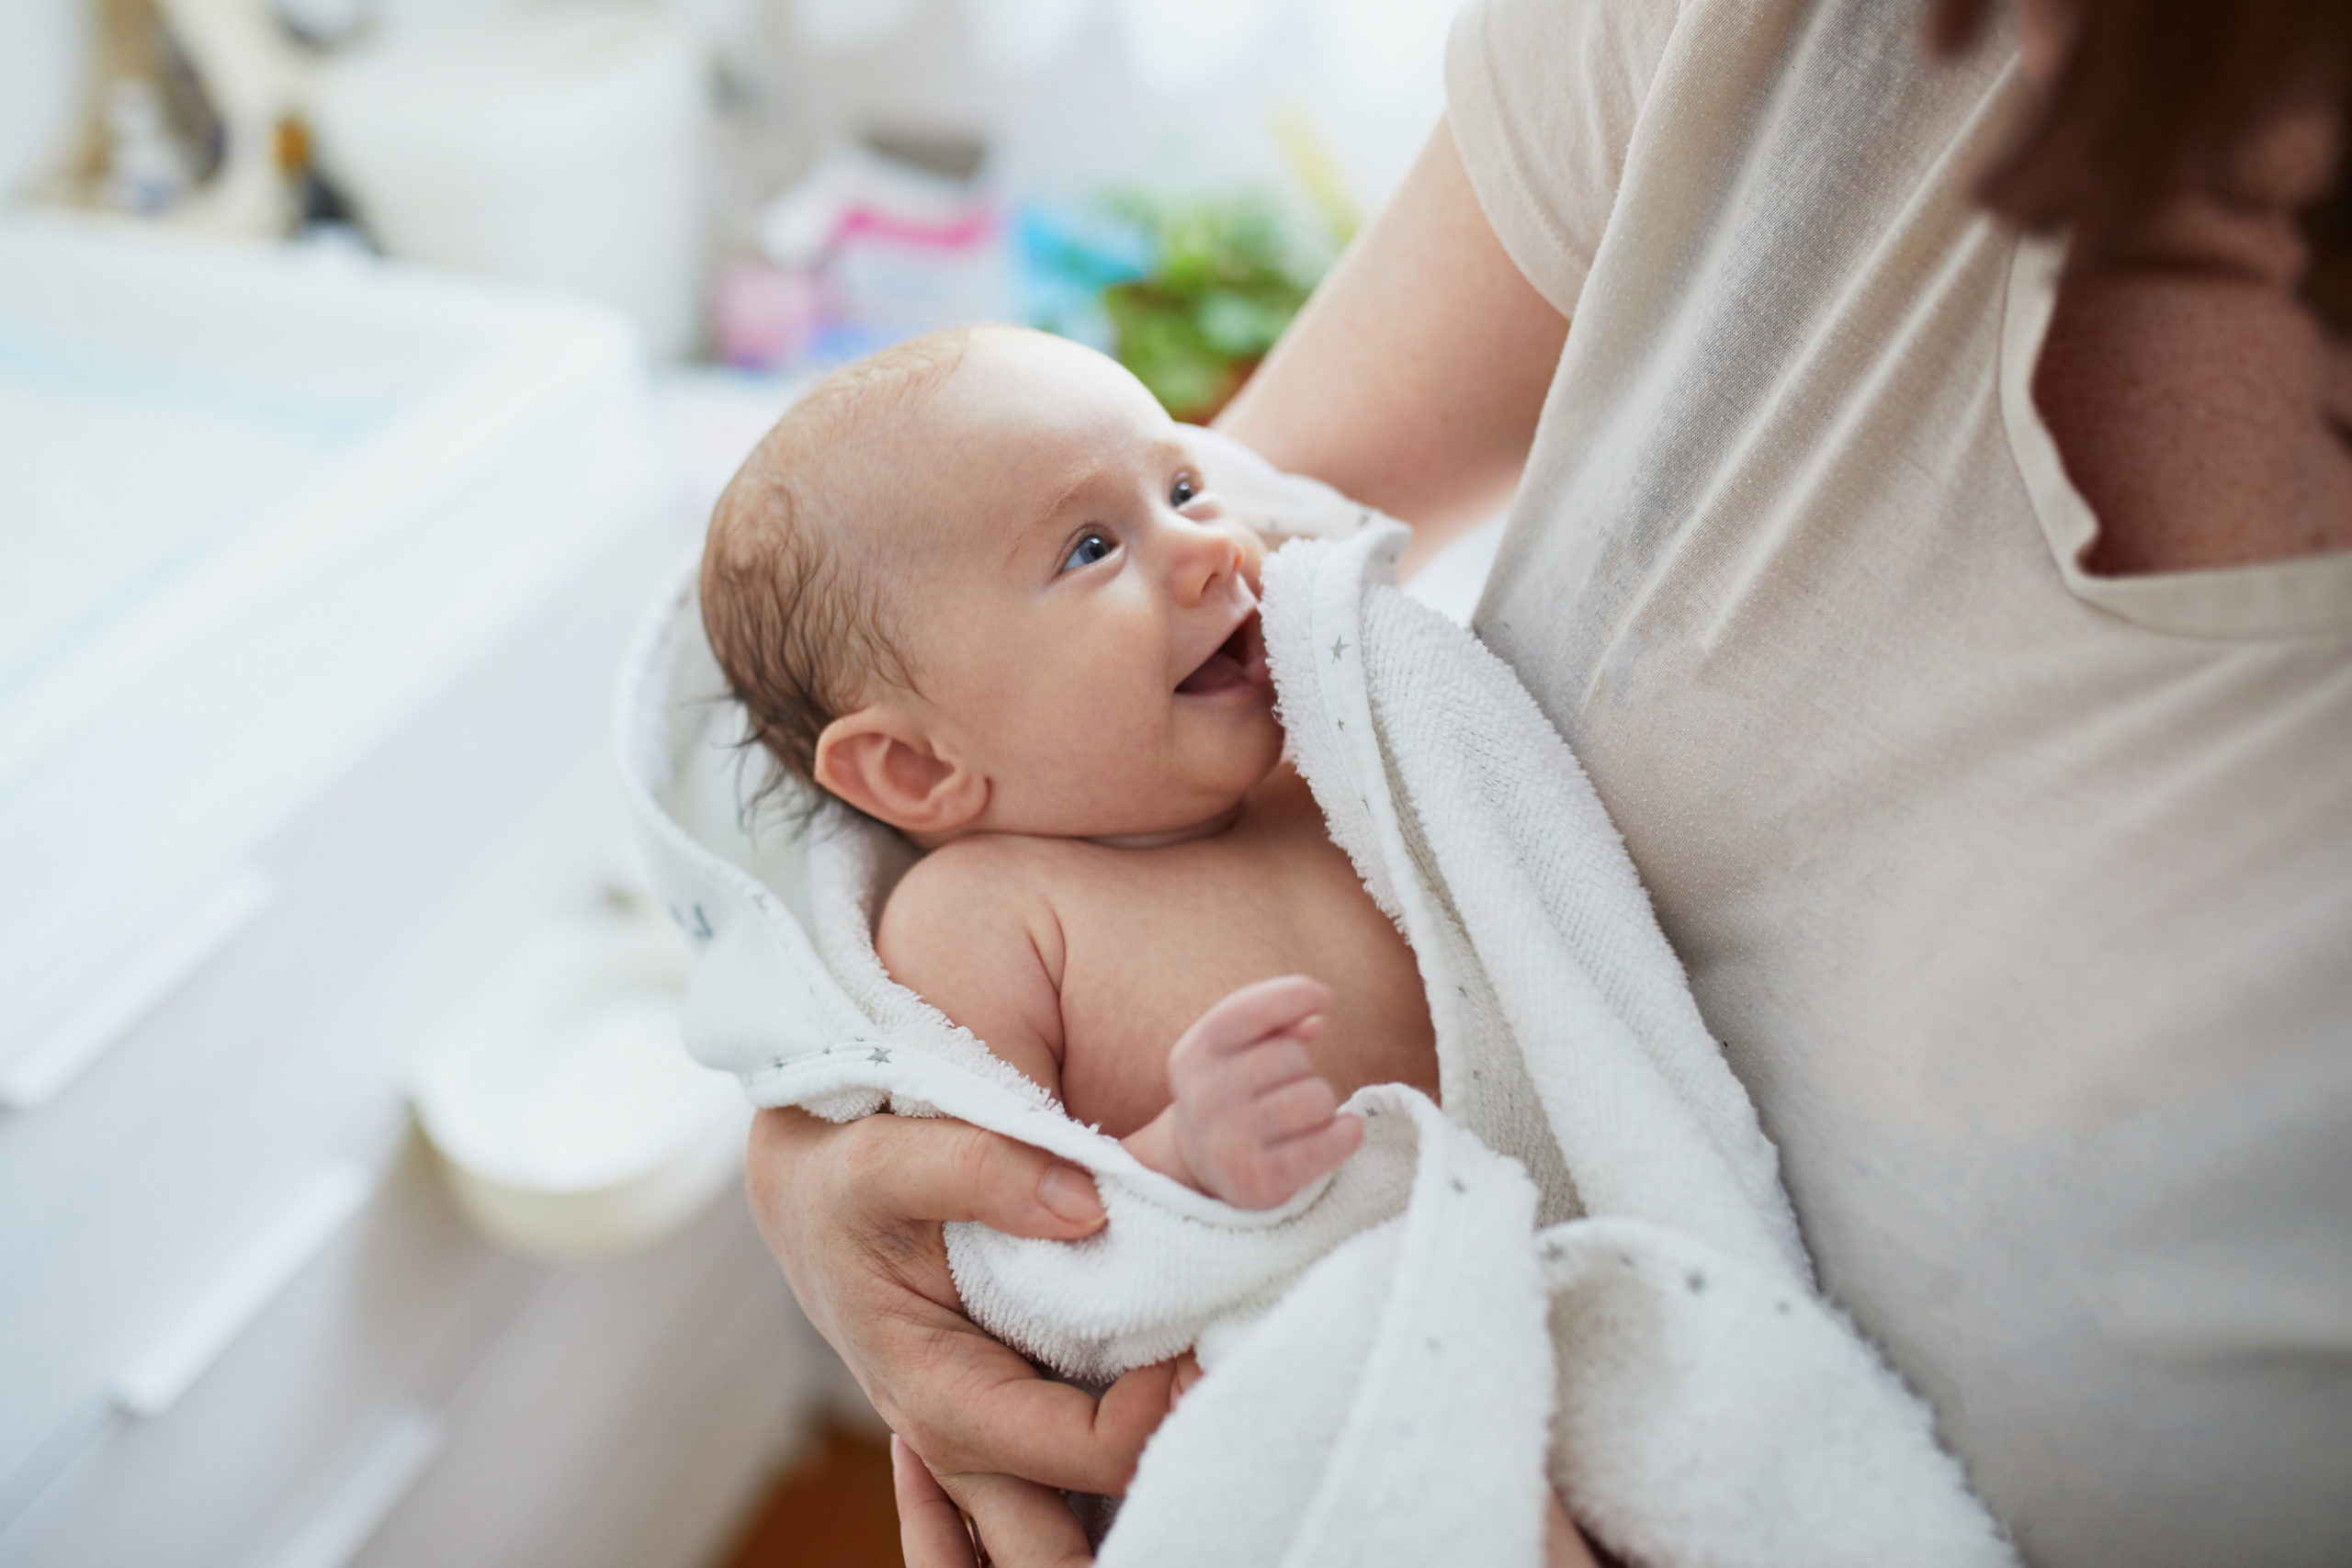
(1585, 1260)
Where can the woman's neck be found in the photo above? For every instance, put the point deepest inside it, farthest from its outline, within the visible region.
(2199, 403)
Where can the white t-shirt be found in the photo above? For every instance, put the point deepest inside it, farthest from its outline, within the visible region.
(2021, 899)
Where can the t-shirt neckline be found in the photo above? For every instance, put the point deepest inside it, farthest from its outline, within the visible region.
(2309, 596)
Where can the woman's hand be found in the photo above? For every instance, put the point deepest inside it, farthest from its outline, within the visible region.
(1022, 1525)
(936, 1529)
(1563, 1546)
(853, 1213)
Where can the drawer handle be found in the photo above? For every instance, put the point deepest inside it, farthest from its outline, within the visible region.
(34, 1077)
(364, 1497)
(227, 1307)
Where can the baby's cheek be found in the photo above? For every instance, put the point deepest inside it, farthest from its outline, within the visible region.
(1098, 753)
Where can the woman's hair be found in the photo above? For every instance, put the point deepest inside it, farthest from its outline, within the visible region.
(2148, 91)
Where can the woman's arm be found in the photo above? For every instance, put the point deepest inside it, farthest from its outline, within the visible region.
(1413, 378)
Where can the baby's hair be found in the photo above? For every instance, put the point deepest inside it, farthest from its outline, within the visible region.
(793, 609)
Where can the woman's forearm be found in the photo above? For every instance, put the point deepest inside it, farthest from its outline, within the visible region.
(1413, 377)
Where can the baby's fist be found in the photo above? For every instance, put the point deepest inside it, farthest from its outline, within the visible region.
(1253, 1121)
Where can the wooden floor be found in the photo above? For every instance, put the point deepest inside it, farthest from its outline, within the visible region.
(832, 1509)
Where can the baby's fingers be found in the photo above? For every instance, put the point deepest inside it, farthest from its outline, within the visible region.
(1295, 1162)
(1231, 1083)
(1249, 1167)
(1292, 1109)
(1288, 1004)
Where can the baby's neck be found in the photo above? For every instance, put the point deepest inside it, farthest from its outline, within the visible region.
(1208, 829)
(1269, 792)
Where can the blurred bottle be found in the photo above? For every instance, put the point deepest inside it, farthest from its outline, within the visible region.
(887, 235)
(147, 168)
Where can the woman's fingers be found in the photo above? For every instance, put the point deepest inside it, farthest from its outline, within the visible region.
(851, 1213)
(1562, 1546)
(1020, 1524)
(902, 1170)
(978, 1407)
(932, 1533)
(1187, 1372)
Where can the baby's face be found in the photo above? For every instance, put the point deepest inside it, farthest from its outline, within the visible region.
(1081, 612)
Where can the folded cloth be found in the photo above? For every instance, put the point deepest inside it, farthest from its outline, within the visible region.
(1582, 1270)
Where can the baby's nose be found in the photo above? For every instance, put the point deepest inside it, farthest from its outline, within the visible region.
(1207, 561)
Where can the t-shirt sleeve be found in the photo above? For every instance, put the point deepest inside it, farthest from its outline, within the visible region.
(1543, 97)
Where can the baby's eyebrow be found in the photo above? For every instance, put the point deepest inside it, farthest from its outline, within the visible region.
(1081, 479)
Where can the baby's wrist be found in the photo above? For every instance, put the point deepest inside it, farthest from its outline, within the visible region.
(1156, 1146)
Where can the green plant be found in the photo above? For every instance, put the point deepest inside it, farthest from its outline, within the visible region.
(1224, 283)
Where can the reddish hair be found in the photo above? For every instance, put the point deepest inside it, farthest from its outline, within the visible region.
(2150, 93)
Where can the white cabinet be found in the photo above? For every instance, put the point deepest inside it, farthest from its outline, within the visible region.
(239, 1321)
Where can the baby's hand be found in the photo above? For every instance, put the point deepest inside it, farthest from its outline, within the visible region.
(1253, 1122)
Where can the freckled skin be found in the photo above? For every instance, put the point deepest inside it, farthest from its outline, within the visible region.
(2202, 407)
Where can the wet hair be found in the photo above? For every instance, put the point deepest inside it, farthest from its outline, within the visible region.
(2149, 94)
(791, 601)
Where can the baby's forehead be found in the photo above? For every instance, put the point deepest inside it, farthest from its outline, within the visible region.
(963, 450)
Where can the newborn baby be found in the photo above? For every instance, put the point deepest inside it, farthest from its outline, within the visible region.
(975, 588)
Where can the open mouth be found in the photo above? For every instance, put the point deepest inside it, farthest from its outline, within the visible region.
(1239, 661)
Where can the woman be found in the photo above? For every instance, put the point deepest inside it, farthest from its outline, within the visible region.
(1958, 628)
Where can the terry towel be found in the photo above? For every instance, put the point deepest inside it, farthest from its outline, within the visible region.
(1582, 1270)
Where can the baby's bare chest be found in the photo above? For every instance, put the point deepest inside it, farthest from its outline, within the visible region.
(1153, 938)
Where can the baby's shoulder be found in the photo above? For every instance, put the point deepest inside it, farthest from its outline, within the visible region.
(979, 895)
(974, 928)
(990, 872)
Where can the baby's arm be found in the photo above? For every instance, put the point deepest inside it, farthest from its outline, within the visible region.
(1252, 1123)
(968, 931)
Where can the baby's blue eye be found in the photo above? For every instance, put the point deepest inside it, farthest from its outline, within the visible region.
(1090, 548)
(1185, 490)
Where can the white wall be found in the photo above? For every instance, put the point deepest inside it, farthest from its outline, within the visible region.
(44, 54)
(1089, 118)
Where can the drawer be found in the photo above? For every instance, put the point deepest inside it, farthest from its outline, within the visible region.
(329, 1360)
(626, 1418)
(123, 1196)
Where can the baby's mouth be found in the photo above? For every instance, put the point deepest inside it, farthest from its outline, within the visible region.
(1239, 661)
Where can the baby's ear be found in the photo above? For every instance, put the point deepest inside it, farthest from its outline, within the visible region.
(881, 762)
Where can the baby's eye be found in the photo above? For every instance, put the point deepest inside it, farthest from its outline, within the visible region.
(1090, 548)
(1184, 491)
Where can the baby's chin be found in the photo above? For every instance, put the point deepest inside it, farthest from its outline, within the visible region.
(1175, 827)
(1198, 815)
(1191, 793)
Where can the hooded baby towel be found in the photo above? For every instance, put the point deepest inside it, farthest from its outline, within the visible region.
(1582, 1270)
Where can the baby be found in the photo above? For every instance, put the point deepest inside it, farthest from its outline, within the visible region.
(976, 588)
